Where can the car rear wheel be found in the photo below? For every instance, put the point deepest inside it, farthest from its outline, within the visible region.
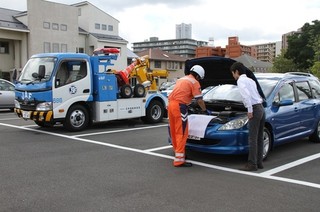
(267, 141)
(315, 136)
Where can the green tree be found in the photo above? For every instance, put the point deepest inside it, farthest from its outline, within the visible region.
(301, 46)
(282, 64)
(315, 69)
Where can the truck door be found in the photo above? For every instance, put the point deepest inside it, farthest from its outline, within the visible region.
(71, 85)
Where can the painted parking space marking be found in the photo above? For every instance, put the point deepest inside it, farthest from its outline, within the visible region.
(265, 175)
(291, 165)
(158, 148)
(118, 131)
(8, 119)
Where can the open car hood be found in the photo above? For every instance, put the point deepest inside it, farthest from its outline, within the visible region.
(217, 71)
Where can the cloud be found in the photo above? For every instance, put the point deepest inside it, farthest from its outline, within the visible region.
(124, 4)
(252, 21)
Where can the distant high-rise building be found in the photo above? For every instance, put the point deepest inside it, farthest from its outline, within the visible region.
(211, 41)
(183, 31)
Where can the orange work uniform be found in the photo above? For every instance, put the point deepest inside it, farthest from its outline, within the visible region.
(184, 91)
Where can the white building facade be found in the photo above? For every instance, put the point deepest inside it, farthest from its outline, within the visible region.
(54, 27)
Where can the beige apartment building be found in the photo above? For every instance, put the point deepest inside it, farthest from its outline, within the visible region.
(54, 27)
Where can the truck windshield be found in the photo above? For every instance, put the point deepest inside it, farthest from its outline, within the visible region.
(37, 70)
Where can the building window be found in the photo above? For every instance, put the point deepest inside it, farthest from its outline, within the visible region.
(55, 26)
(110, 28)
(64, 47)
(157, 64)
(80, 50)
(97, 26)
(46, 25)
(104, 27)
(46, 47)
(79, 11)
(63, 27)
(4, 47)
(55, 47)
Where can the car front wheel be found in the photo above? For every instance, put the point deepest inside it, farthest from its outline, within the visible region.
(267, 141)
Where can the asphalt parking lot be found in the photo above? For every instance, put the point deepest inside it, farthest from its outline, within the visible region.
(127, 166)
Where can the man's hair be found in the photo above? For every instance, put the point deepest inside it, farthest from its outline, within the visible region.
(238, 66)
(194, 74)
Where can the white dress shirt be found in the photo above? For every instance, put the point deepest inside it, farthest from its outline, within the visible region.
(249, 92)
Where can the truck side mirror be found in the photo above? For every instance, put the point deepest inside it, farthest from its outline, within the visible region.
(41, 71)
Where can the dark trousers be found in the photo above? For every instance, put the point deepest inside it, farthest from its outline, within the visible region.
(255, 126)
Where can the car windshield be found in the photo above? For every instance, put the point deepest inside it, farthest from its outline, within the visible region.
(224, 92)
(230, 92)
(30, 72)
(267, 85)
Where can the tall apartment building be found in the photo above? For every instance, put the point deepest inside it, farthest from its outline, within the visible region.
(284, 44)
(183, 31)
(54, 27)
(267, 52)
(184, 47)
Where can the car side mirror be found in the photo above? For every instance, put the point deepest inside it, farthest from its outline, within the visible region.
(283, 103)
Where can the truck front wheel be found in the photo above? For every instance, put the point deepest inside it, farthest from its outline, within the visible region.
(154, 112)
(77, 118)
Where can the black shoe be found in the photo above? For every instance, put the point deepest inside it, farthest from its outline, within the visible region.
(249, 167)
(260, 166)
(185, 164)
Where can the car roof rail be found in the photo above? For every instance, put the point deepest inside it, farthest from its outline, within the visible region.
(300, 74)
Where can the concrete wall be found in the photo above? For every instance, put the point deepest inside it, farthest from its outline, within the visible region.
(91, 15)
(17, 56)
(24, 44)
(53, 14)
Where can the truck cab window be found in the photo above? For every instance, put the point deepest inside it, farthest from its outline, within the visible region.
(62, 75)
(70, 72)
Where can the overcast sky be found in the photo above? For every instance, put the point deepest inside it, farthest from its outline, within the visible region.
(253, 21)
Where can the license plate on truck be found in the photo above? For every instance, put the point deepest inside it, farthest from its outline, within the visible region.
(25, 114)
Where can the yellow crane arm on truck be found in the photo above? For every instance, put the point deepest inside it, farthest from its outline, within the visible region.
(144, 75)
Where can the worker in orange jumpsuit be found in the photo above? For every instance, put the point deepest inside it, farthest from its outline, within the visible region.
(186, 88)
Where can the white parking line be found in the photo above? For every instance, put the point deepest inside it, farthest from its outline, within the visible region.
(158, 148)
(8, 119)
(291, 165)
(265, 175)
(124, 130)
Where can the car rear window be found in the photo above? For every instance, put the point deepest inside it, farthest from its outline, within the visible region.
(304, 91)
(315, 87)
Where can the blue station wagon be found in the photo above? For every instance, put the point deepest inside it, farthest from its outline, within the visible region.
(292, 106)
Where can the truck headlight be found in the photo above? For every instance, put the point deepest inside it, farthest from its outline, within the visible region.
(16, 104)
(235, 124)
(44, 106)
